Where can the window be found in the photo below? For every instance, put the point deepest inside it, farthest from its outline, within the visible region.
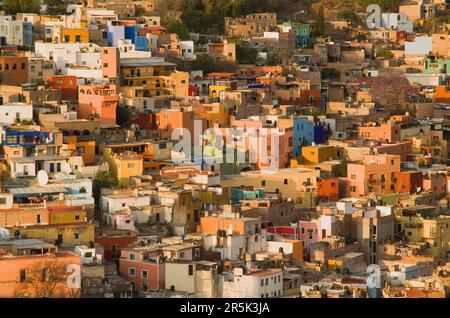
(191, 270)
(285, 181)
(353, 177)
(66, 38)
(432, 231)
(262, 284)
(23, 275)
(263, 183)
(77, 217)
(267, 281)
(58, 167)
(144, 274)
(105, 64)
(132, 256)
(131, 165)
(131, 271)
(303, 230)
(76, 235)
(2, 200)
(77, 38)
(52, 167)
(14, 66)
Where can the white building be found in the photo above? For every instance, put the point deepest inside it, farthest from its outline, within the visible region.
(199, 278)
(11, 113)
(255, 284)
(187, 50)
(396, 21)
(115, 202)
(70, 55)
(15, 32)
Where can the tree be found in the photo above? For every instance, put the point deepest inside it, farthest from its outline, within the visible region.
(21, 6)
(178, 27)
(319, 22)
(246, 55)
(330, 73)
(361, 37)
(384, 53)
(122, 115)
(103, 179)
(350, 16)
(47, 279)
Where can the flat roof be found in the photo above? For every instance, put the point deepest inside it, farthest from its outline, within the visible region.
(27, 243)
(37, 190)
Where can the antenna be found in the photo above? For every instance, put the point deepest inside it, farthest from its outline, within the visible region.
(42, 178)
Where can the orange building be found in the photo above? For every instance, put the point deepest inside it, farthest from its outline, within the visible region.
(98, 101)
(74, 35)
(238, 226)
(24, 263)
(13, 70)
(375, 174)
(85, 148)
(66, 83)
(110, 57)
(328, 190)
(442, 94)
(408, 181)
(171, 119)
(385, 132)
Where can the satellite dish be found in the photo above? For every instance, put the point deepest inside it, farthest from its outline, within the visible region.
(42, 177)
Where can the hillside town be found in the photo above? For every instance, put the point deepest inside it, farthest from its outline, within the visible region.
(224, 149)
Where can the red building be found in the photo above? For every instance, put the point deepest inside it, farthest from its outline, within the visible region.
(328, 190)
(113, 241)
(408, 181)
(66, 83)
(143, 267)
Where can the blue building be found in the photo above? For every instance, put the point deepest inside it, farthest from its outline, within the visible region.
(237, 194)
(319, 133)
(303, 36)
(116, 32)
(303, 134)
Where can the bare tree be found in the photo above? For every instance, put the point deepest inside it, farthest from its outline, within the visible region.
(47, 279)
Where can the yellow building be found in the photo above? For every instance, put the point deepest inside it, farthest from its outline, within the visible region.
(312, 155)
(84, 148)
(215, 113)
(67, 214)
(74, 35)
(152, 77)
(217, 91)
(434, 232)
(126, 165)
(299, 184)
(66, 234)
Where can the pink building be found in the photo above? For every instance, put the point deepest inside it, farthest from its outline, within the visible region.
(110, 57)
(375, 174)
(143, 267)
(98, 101)
(309, 232)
